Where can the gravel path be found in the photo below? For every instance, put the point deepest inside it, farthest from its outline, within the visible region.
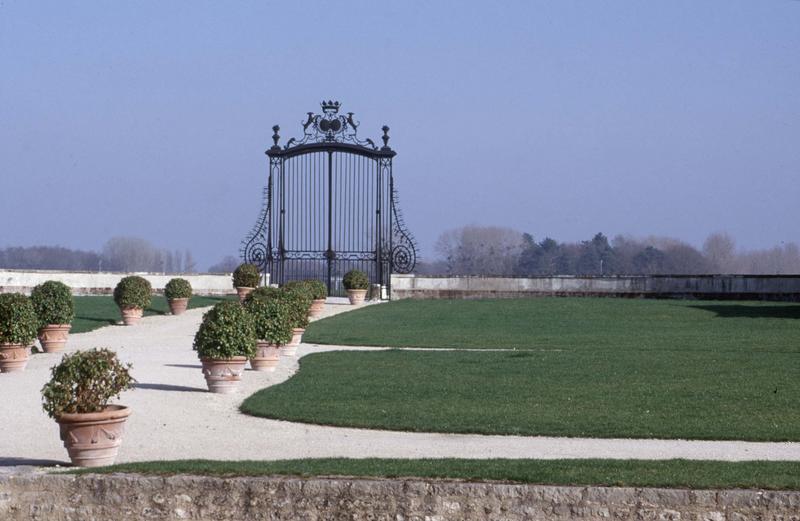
(175, 418)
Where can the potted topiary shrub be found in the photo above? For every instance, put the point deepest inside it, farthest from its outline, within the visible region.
(132, 295)
(52, 301)
(273, 329)
(178, 292)
(77, 397)
(18, 326)
(298, 300)
(356, 283)
(318, 292)
(224, 342)
(245, 278)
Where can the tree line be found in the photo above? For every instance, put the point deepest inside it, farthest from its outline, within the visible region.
(123, 254)
(500, 251)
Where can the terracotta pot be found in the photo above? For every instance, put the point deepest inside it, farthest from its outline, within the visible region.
(356, 296)
(288, 350)
(243, 291)
(13, 357)
(53, 337)
(223, 374)
(317, 305)
(131, 316)
(93, 439)
(297, 336)
(178, 305)
(267, 357)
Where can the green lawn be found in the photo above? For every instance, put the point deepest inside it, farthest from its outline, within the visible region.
(586, 324)
(582, 367)
(633, 473)
(93, 312)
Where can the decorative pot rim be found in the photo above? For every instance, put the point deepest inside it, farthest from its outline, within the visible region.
(356, 290)
(232, 359)
(110, 412)
(9, 345)
(127, 308)
(245, 287)
(56, 326)
(178, 298)
(298, 329)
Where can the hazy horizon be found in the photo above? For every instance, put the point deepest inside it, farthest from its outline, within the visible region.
(558, 119)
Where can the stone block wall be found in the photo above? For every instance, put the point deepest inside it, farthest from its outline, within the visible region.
(103, 283)
(732, 287)
(130, 497)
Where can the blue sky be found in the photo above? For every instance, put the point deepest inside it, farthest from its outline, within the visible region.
(557, 118)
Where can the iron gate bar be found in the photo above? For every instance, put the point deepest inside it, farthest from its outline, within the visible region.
(336, 207)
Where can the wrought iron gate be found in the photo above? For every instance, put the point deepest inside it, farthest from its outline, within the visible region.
(330, 205)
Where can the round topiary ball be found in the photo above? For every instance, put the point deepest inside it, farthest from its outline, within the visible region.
(316, 289)
(18, 321)
(246, 276)
(355, 279)
(227, 330)
(178, 288)
(298, 301)
(133, 292)
(272, 319)
(52, 301)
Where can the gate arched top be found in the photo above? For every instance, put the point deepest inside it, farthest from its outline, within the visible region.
(330, 131)
(310, 148)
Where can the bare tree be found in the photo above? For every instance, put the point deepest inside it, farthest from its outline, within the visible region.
(480, 250)
(129, 254)
(226, 265)
(720, 251)
(189, 266)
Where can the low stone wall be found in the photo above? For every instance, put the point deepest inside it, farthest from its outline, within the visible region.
(130, 497)
(735, 287)
(103, 283)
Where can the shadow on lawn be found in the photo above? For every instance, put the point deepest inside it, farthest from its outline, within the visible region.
(750, 311)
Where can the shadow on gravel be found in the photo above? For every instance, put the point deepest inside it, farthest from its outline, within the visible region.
(168, 387)
(16, 462)
(186, 366)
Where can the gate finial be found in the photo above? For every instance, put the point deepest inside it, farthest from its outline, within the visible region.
(275, 137)
(385, 138)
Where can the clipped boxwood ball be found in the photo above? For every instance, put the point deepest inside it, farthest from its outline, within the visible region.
(133, 292)
(227, 330)
(246, 276)
(18, 321)
(272, 319)
(355, 279)
(52, 301)
(178, 288)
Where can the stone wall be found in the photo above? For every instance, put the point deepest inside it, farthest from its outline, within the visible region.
(127, 497)
(102, 283)
(738, 287)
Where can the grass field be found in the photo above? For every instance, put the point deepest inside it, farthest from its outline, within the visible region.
(582, 367)
(92, 312)
(586, 324)
(633, 473)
